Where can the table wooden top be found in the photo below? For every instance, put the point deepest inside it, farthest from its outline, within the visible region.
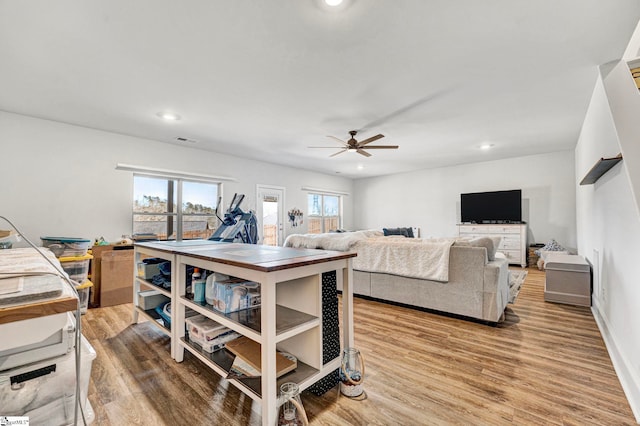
(37, 309)
(250, 256)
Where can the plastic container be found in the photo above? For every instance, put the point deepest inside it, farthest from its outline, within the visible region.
(6, 242)
(66, 246)
(203, 328)
(217, 343)
(149, 299)
(51, 397)
(84, 290)
(77, 267)
(235, 294)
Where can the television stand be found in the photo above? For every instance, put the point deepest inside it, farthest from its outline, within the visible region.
(513, 241)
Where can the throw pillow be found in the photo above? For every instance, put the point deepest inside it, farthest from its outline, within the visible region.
(405, 232)
(552, 245)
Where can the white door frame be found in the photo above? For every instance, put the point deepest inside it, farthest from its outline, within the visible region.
(280, 191)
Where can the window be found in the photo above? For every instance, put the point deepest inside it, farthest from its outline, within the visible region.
(324, 213)
(156, 209)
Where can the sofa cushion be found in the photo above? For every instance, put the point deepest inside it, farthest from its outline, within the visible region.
(487, 243)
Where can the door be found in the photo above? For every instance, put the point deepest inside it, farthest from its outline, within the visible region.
(270, 208)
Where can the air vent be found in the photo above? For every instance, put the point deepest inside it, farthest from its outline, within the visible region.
(186, 140)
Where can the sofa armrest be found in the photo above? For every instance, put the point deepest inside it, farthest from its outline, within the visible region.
(496, 276)
(465, 266)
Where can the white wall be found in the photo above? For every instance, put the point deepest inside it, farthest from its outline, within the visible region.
(430, 199)
(608, 226)
(60, 180)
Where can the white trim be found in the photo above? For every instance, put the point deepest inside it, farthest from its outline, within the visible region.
(630, 382)
(282, 219)
(324, 191)
(172, 173)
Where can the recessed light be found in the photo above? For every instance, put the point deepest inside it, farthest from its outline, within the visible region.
(168, 116)
(333, 2)
(486, 146)
(360, 167)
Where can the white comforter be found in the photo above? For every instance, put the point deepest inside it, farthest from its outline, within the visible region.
(409, 257)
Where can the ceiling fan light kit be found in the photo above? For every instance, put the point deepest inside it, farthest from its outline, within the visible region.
(352, 145)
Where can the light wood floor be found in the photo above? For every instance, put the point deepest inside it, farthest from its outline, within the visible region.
(546, 364)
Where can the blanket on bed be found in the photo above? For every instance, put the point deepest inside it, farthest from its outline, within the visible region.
(339, 241)
(407, 257)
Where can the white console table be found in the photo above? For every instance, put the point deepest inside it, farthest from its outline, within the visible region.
(513, 243)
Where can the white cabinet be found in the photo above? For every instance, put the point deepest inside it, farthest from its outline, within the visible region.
(289, 319)
(513, 241)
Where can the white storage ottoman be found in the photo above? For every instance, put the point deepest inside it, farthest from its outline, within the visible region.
(568, 279)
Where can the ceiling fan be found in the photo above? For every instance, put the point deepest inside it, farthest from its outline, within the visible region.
(352, 145)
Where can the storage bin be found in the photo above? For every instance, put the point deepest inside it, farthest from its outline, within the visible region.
(217, 343)
(147, 271)
(149, 299)
(64, 246)
(77, 267)
(84, 291)
(234, 295)
(203, 328)
(44, 391)
(568, 279)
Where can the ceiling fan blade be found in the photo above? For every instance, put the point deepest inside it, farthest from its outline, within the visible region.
(369, 140)
(363, 152)
(382, 147)
(339, 152)
(338, 140)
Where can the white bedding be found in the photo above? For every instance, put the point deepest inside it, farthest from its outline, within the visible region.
(408, 257)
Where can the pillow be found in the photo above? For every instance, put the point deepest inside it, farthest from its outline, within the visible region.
(405, 232)
(486, 243)
(552, 245)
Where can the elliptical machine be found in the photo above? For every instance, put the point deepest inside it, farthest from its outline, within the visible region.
(237, 226)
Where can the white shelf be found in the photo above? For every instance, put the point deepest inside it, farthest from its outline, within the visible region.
(152, 316)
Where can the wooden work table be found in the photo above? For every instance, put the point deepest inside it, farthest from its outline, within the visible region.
(288, 319)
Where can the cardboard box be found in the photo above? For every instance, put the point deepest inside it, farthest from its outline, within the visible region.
(116, 274)
(96, 270)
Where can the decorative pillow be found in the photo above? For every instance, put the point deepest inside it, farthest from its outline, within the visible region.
(552, 245)
(405, 232)
(486, 243)
(496, 242)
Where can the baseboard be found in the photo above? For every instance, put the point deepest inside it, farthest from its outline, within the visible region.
(630, 382)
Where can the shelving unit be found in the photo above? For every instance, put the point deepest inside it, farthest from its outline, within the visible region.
(289, 318)
(139, 284)
(600, 168)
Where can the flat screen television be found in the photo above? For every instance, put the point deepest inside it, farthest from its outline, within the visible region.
(492, 207)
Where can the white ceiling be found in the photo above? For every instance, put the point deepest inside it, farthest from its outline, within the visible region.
(265, 79)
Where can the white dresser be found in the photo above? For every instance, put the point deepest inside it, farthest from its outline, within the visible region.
(513, 243)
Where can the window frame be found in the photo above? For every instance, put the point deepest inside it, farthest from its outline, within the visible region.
(175, 184)
(322, 215)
